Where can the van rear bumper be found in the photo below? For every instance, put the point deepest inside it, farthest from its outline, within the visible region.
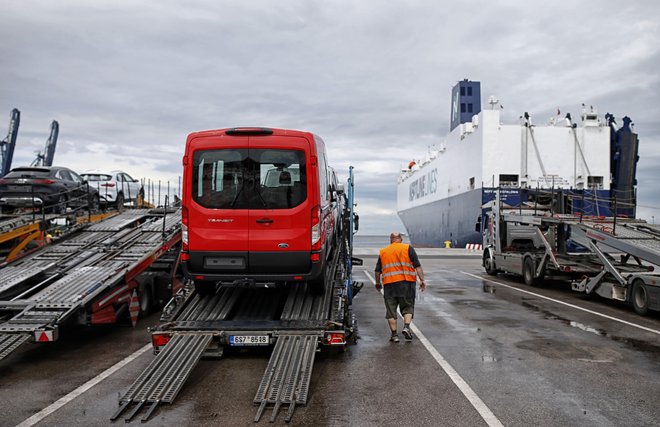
(258, 266)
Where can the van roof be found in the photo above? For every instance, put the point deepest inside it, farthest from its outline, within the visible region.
(251, 131)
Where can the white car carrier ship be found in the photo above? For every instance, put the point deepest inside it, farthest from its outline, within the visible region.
(440, 195)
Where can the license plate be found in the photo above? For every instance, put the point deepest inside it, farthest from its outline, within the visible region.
(239, 340)
(16, 188)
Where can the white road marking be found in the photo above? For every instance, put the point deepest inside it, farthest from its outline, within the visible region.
(467, 391)
(644, 328)
(82, 389)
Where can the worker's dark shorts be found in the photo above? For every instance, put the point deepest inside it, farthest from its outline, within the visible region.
(406, 305)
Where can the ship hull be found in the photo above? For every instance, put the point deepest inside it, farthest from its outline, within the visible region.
(451, 219)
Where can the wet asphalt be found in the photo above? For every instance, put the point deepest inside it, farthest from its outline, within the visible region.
(530, 360)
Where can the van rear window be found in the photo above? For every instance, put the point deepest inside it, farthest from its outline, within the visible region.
(249, 178)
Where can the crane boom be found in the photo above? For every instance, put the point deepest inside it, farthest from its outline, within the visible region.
(46, 158)
(7, 145)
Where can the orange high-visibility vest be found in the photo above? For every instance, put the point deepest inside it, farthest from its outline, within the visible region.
(396, 264)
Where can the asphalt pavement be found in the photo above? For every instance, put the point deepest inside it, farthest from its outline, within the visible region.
(486, 345)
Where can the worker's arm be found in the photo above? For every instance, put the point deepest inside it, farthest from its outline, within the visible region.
(377, 273)
(418, 266)
(420, 274)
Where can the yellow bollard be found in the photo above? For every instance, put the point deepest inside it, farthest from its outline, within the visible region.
(447, 244)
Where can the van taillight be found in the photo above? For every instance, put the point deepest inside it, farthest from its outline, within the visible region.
(184, 228)
(316, 228)
(184, 236)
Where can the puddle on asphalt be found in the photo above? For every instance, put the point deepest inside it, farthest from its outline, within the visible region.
(652, 349)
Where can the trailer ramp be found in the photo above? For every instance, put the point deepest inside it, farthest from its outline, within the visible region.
(165, 375)
(10, 342)
(287, 376)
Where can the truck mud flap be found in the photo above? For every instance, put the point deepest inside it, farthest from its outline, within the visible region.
(165, 375)
(10, 342)
(287, 376)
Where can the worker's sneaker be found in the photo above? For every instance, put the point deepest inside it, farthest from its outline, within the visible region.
(394, 338)
(407, 333)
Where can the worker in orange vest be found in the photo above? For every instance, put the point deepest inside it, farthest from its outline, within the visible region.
(398, 266)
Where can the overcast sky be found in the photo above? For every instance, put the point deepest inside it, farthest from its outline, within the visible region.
(128, 80)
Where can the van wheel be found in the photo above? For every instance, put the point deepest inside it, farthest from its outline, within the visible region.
(640, 297)
(204, 288)
(528, 272)
(317, 286)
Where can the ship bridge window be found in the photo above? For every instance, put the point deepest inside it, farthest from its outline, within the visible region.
(469, 108)
(595, 182)
(508, 180)
(469, 91)
(462, 107)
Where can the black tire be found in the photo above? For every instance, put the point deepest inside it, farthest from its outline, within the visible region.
(640, 297)
(94, 203)
(204, 288)
(145, 295)
(60, 205)
(528, 272)
(119, 203)
(489, 265)
(317, 286)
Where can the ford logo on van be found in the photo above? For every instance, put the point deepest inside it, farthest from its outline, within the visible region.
(283, 245)
(221, 220)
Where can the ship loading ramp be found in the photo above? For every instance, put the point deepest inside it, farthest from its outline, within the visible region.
(107, 271)
(296, 322)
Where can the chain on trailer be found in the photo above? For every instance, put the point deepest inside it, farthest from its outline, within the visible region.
(88, 272)
(193, 326)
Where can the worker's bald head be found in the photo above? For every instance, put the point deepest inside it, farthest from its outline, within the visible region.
(396, 237)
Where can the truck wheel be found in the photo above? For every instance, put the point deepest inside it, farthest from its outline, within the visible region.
(204, 288)
(640, 297)
(489, 265)
(146, 298)
(528, 272)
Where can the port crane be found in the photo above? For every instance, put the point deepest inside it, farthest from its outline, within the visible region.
(46, 158)
(7, 145)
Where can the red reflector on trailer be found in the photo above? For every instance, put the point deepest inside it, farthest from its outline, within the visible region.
(297, 277)
(159, 340)
(335, 338)
(316, 257)
(567, 269)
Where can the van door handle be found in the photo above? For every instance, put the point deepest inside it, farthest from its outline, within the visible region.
(264, 221)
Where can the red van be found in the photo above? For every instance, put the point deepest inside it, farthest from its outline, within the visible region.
(257, 208)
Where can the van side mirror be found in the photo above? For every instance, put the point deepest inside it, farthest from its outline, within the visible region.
(340, 188)
(477, 225)
(356, 221)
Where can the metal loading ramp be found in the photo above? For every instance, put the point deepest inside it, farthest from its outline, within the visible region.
(165, 375)
(10, 342)
(639, 239)
(287, 376)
